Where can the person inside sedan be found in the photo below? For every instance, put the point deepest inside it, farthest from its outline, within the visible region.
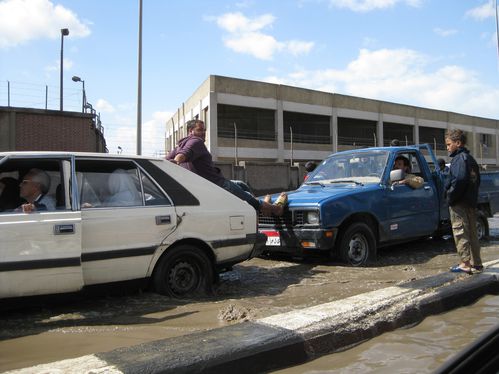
(9, 194)
(33, 189)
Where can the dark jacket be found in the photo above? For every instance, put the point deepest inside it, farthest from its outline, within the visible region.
(464, 179)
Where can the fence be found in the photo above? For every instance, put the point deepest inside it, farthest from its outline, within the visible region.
(39, 96)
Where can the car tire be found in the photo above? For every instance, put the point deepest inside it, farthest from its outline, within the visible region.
(358, 245)
(482, 226)
(183, 271)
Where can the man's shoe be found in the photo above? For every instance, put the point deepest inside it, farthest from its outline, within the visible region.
(477, 268)
(459, 269)
(282, 200)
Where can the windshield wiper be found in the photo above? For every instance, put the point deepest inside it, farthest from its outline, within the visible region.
(315, 182)
(347, 181)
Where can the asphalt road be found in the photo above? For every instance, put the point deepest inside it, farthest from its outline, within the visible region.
(50, 329)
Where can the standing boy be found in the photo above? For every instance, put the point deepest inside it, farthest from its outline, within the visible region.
(462, 195)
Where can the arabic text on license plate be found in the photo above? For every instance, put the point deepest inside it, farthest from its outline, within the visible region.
(273, 238)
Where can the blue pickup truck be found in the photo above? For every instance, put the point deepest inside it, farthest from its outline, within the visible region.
(349, 206)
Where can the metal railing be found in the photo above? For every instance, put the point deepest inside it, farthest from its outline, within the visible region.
(248, 134)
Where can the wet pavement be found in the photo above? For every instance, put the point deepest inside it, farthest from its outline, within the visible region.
(55, 329)
(422, 348)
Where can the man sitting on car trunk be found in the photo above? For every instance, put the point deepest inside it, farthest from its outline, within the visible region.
(192, 154)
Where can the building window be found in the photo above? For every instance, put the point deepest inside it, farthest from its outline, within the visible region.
(356, 132)
(486, 140)
(434, 137)
(251, 123)
(307, 128)
(404, 133)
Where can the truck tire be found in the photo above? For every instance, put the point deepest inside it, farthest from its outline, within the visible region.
(482, 226)
(358, 245)
(183, 271)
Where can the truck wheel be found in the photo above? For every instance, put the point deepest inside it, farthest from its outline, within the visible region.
(482, 226)
(183, 271)
(358, 245)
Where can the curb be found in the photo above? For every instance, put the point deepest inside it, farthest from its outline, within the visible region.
(289, 338)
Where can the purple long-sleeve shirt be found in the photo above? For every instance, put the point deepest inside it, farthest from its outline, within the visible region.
(198, 159)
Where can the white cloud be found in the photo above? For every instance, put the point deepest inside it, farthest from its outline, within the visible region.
(153, 134)
(245, 36)
(369, 5)
(486, 10)
(68, 65)
(297, 47)
(444, 32)
(104, 106)
(25, 20)
(403, 76)
(256, 44)
(237, 22)
(121, 131)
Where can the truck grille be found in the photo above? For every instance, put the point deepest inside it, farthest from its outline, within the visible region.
(290, 217)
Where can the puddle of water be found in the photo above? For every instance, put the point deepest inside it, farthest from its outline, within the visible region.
(420, 349)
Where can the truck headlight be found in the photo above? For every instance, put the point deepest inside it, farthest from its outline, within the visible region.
(312, 217)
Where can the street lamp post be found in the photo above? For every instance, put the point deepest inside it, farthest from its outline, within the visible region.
(139, 85)
(84, 96)
(64, 32)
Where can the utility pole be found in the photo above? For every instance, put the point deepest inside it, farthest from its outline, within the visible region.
(139, 86)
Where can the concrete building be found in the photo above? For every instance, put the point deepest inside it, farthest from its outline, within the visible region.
(258, 121)
(26, 129)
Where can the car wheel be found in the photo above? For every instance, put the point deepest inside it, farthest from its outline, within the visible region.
(482, 226)
(358, 245)
(183, 271)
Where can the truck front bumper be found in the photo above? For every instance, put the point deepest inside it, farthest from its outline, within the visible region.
(299, 241)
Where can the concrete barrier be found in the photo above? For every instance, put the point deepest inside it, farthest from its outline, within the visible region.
(290, 338)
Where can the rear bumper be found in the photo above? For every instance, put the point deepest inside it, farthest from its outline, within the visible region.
(257, 240)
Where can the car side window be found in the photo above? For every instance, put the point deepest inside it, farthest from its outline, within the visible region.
(38, 183)
(152, 194)
(108, 184)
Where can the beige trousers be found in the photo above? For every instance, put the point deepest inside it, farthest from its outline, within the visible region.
(463, 219)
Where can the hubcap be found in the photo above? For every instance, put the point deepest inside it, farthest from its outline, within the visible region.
(358, 248)
(182, 278)
(480, 230)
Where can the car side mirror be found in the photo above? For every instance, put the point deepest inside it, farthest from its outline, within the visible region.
(396, 175)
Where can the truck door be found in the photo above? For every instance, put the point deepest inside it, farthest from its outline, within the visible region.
(438, 178)
(412, 212)
(40, 252)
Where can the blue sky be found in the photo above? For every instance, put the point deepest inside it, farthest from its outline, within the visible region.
(433, 53)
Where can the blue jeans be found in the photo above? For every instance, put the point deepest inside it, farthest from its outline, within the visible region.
(240, 193)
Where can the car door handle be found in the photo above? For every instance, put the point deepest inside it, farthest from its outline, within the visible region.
(163, 220)
(64, 229)
(427, 188)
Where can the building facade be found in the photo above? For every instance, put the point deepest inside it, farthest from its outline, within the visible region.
(257, 121)
(26, 129)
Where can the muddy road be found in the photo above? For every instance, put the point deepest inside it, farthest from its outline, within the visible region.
(50, 329)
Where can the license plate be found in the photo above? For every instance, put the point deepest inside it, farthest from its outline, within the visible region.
(273, 238)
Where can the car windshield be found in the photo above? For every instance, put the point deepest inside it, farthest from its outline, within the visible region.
(352, 167)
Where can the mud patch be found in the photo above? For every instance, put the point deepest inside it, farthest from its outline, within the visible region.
(233, 312)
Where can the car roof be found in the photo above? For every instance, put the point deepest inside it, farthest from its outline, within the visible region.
(78, 154)
(384, 149)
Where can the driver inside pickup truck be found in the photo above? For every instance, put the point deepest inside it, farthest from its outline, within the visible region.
(413, 181)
